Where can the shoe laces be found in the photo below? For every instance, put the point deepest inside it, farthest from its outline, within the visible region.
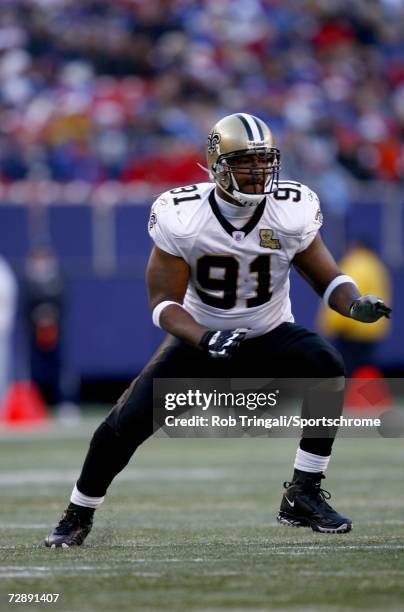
(313, 488)
(323, 494)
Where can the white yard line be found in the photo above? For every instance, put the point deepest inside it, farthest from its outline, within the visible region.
(26, 571)
(5, 525)
(386, 522)
(35, 477)
(375, 503)
(50, 430)
(301, 550)
(12, 571)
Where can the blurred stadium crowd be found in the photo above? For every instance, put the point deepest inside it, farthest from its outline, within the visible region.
(126, 90)
(110, 102)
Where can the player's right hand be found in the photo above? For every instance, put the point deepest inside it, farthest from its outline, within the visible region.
(222, 344)
(369, 309)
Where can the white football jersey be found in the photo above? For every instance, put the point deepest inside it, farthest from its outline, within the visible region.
(238, 277)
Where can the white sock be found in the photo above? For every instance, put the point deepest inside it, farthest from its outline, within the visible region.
(308, 462)
(84, 500)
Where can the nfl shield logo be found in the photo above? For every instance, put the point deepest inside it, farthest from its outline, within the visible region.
(238, 236)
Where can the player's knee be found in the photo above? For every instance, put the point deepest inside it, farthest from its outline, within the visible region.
(334, 384)
(328, 363)
(104, 436)
(112, 419)
(129, 422)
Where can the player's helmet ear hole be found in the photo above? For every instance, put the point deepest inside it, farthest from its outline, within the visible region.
(222, 170)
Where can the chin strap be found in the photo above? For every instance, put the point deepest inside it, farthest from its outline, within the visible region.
(247, 199)
(211, 175)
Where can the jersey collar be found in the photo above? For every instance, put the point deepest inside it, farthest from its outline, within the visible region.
(227, 226)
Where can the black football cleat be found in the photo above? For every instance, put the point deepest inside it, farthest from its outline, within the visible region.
(304, 505)
(72, 529)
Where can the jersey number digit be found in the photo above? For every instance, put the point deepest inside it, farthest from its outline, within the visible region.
(185, 198)
(261, 266)
(227, 280)
(284, 193)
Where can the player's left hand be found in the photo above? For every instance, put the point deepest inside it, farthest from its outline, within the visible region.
(222, 344)
(368, 309)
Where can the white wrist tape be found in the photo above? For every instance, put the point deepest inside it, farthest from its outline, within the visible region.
(338, 280)
(159, 309)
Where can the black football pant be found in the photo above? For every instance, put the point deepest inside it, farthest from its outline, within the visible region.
(289, 351)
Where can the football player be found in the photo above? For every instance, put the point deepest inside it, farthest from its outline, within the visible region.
(218, 284)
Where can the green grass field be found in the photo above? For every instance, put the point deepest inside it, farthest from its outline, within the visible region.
(190, 525)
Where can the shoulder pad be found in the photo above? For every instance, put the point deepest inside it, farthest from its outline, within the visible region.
(186, 194)
(180, 209)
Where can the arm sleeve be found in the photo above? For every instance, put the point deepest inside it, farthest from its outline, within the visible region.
(313, 219)
(160, 227)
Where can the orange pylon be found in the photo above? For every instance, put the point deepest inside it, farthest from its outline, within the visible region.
(23, 406)
(367, 390)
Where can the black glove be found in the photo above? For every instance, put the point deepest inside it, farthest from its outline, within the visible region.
(368, 309)
(221, 344)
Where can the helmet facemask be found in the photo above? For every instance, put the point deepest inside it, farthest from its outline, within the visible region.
(263, 172)
(242, 158)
